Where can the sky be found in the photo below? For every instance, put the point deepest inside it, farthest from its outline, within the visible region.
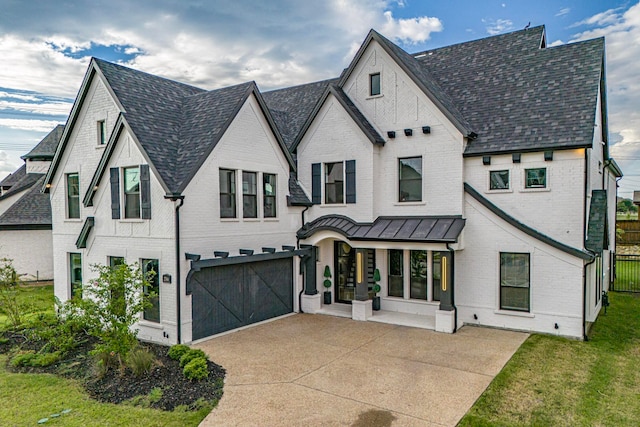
(45, 48)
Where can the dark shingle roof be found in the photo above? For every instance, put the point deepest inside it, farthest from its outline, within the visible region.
(14, 177)
(47, 147)
(518, 96)
(32, 210)
(292, 106)
(597, 231)
(297, 196)
(424, 229)
(25, 182)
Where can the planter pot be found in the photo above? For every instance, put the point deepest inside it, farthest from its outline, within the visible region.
(376, 303)
(327, 297)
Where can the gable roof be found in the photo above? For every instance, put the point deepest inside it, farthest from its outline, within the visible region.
(292, 106)
(23, 182)
(176, 126)
(519, 95)
(31, 211)
(420, 77)
(46, 149)
(14, 177)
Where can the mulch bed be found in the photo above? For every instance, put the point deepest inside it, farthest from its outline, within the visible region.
(116, 386)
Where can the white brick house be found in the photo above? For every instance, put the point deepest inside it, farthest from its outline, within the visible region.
(477, 192)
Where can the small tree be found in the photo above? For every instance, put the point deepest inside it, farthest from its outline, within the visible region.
(9, 303)
(112, 304)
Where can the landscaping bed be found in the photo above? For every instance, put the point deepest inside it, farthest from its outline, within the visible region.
(163, 387)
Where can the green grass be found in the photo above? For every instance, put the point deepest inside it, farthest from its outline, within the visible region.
(553, 381)
(34, 299)
(27, 398)
(627, 275)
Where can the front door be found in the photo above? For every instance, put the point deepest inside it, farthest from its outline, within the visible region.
(345, 270)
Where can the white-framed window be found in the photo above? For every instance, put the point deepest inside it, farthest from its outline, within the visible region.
(408, 274)
(269, 195)
(75, 274)
(131, 184)
(499, 180)
(375, 84)
(334, 181)
(101, 127)
(515, 281)
(73, 195)
(249, 194)
(151, 271)
(228, 193)
(410, 179)
(535, 178)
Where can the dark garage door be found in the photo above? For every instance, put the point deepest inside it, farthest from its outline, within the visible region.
(231, 296)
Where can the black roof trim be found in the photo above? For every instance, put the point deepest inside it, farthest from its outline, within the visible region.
(419, 229)
(525, 228)
(614, 167)
(81, 242)
(527, 150)
(17, 227)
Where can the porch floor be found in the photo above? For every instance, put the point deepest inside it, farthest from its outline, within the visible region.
(383, 316)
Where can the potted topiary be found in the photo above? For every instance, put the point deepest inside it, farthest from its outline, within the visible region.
(327, 285)
(376, 289)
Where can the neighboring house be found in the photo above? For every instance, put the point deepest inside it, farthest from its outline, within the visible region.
(475, 178)
(25, 213)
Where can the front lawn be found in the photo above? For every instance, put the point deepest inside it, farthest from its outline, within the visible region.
(553, 381)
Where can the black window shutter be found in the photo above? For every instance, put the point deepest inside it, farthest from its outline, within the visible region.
(115, 192)
(316, 183)
(351, 180)
(145, 192)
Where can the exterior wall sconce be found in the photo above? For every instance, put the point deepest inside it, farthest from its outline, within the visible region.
(220, 254)
(288, 248)
(192, 257)
(166, 278)
(548, 156)
(391, 134)
(515, 157)
(426, 129)
(408, 132)
(269, 250)
(486, 160)
(246, 251)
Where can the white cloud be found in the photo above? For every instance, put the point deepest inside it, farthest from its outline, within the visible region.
(410, 31)
(30, 125)
(20, 96)
(6, 166)
(563, 11)
(555, 43)
(498, 26)
(46, 108)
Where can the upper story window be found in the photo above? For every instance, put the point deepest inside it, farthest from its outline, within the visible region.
(227, 193)
(374, 84)
(102, 132)
(249, 195)
(269, 195)
(410, 179)
(334, 182)
(73, 195)
(499, 180)
(132, 192)
(535, 178)
(136, 191)
(514, 281)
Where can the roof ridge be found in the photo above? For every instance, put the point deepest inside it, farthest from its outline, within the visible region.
(301, 85)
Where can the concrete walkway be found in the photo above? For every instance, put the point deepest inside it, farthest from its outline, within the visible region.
(315, 370)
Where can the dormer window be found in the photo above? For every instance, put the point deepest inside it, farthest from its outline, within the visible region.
(374, 84)
(102, 132)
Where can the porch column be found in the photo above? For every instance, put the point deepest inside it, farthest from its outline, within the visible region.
(446, 314)
(362, 306)
(309, 262)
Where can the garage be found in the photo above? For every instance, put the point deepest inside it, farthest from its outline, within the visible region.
(227, 296)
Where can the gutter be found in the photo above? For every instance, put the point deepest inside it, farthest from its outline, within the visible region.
(174, 198)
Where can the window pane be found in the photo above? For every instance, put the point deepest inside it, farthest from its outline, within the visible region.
(73, 196)
(269, 195)
(102, 132)
(132, 192)
(152, 291)
(227, 193)
(499, 180)
(410, 179)
(514, 281)
(418, 263)
(536, 178)
(334, 183)
(249, 195)
(374, 84)
(75, 274)
(437, 275)
(396, 282)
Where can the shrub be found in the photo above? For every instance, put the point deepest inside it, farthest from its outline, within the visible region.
(30, 358)
(190, 355)
(140, 361)
(176, 351)
(9, 304)
(146, 401)
(196, 369)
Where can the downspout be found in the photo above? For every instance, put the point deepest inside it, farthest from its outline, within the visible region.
(303, 276)
(584, 299)
(453, 293)
(174, 198)
(584, 237)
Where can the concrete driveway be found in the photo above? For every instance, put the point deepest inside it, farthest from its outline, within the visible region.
(315, 370)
